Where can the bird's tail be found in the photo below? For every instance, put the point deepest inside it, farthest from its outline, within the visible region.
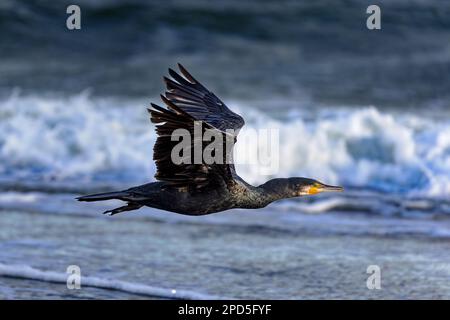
(120, 195)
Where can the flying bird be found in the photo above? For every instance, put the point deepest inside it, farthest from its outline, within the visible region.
(201, 187)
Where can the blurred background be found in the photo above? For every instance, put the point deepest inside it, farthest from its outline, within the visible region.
(367, 109)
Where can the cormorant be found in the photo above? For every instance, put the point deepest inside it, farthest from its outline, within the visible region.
(200, 188)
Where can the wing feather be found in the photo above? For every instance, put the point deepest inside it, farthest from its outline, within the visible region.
(188, 101)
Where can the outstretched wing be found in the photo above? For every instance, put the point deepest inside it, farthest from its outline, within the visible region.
(192, 107)
(192, 97)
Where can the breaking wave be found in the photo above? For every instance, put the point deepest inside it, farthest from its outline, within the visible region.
(80, 139)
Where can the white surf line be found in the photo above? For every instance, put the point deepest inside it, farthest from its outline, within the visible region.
(27, 272)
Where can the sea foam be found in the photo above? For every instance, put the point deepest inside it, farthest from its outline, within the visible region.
(28, 272)
(85, 139)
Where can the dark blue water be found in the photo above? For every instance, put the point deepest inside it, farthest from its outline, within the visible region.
(300, 50)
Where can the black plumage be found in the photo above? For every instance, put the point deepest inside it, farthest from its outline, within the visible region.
(197, 186)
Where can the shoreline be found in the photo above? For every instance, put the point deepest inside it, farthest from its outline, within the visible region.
(245, 263)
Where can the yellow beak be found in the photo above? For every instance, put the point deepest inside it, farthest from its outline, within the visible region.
(324, 188)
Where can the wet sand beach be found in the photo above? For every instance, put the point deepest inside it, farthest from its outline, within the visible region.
(245, 260)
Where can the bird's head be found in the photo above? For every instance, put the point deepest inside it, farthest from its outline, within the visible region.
(306, 186)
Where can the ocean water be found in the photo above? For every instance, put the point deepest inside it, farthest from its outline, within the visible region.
(398, 154)
(366, 110)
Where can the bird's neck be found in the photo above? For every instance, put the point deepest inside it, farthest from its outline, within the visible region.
(274, 190)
